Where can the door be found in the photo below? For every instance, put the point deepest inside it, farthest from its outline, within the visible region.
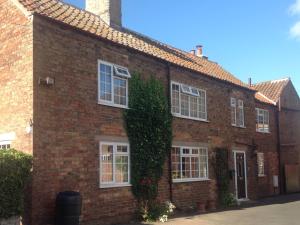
(240, 175)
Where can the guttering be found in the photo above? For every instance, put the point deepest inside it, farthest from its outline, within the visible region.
(170, 152)
(281, 188)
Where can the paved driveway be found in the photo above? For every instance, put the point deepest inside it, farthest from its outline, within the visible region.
(283, 210)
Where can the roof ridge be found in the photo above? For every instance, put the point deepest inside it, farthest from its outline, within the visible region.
(261, 94)
(274, 81)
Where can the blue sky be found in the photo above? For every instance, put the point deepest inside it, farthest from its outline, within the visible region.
(250, 38)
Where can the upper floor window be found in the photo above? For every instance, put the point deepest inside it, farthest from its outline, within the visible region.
(188, 102)
(237, 112)
(114, 164)
(5, 144)
(189, 163)
(262, 120)
(113, 84)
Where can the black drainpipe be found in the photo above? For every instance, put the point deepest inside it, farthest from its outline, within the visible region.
(170, 152)
(280, 180)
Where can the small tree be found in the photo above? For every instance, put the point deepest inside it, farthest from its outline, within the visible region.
(15, 168)
(148, 123)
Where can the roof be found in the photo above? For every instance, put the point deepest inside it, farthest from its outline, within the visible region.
(264, 99)
(272, 89)
(91, 23)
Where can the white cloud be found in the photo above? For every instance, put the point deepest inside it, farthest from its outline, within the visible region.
(295, 8)
(295, 31)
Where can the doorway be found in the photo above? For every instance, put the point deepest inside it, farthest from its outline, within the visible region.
(240, 175)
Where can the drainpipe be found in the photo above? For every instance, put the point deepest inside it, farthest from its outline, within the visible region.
(280, 180)
(170, 152)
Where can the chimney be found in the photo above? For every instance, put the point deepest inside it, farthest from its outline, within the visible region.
(110, 11)
(193, 52)
(250, 82)
(199, 51)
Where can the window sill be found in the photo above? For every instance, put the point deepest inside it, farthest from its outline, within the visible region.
(242, 127)
(103, 186)
(261, 175)
(112, 105)
(190, 118)
(263, 132)
(190, 180)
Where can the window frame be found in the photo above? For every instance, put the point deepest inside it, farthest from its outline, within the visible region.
(113, 75)
(5, 143)
(263, 174)
(238, 108)
(181, 155)
(113, 183)
(190, 93)
(261, 112)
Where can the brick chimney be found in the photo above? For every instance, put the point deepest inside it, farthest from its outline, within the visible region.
(199, 52)
(109, 10)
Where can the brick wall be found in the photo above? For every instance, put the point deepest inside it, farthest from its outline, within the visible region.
(15, 75)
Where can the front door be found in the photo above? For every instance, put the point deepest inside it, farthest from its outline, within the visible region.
(240, 175)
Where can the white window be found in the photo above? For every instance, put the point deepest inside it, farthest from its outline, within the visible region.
(5, 145)
(262, 121)
(189, 164)
(261, 164)
(113, 84)
(114, 164)
(188, 102)
(237, 112)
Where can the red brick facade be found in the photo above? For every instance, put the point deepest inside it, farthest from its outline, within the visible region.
(68, 122)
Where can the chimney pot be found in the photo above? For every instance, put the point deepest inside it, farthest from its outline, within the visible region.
(199, 50)
(250, 82)
(110, 11)
(193, 52)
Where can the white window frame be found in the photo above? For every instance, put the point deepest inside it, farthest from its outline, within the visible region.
(114, 73)
(238, 106)
(189, 92)
(179, 180)
(263, 161)
(5, 143)
(261, 112)
(113, 183)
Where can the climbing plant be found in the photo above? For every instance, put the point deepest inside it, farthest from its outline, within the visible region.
(148, 123)
(223, 177)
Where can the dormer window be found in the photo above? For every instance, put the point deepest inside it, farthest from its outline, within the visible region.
(113, 84)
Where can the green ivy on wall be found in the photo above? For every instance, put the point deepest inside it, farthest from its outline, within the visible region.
(148, 122)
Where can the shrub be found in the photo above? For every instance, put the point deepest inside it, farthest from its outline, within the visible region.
(148, 123)
(15, 168)
(158, 212)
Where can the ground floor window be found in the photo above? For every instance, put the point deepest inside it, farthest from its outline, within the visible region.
(261, 164)
(114, 164)
(189, 163)
(5, 144)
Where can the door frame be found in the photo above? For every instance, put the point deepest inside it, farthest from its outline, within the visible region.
(235, 174)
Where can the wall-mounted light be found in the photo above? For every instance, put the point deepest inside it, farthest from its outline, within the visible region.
(48, 81)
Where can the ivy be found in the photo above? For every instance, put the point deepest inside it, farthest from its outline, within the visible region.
(148, 122)
(15, 168)
(226, 199)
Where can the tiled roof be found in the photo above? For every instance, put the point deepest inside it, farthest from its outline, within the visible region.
(272, 89)
(91, 23)
(264, 99)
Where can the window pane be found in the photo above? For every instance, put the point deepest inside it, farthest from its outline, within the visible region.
(119, 91)
(194, 106)
(195, 167)
(107, 163)
(176, 163)
(185, 105)
(175, 98)
(202, 105)
(186, 168)
(105, 82)
(121, 169)
(260, 163)
(203, 163)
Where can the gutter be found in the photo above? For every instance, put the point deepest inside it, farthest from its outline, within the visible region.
(281, 187)
(170, 152)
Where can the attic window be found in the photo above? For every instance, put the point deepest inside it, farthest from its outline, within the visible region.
(122, 71)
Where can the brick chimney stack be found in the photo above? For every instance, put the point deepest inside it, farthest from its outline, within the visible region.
(110, 11)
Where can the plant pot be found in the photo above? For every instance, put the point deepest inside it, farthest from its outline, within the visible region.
(211, 205)
(201, 207)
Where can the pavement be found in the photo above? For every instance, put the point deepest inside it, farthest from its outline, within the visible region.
(282, 210)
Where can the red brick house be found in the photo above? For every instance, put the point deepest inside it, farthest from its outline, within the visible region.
(64, 76)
